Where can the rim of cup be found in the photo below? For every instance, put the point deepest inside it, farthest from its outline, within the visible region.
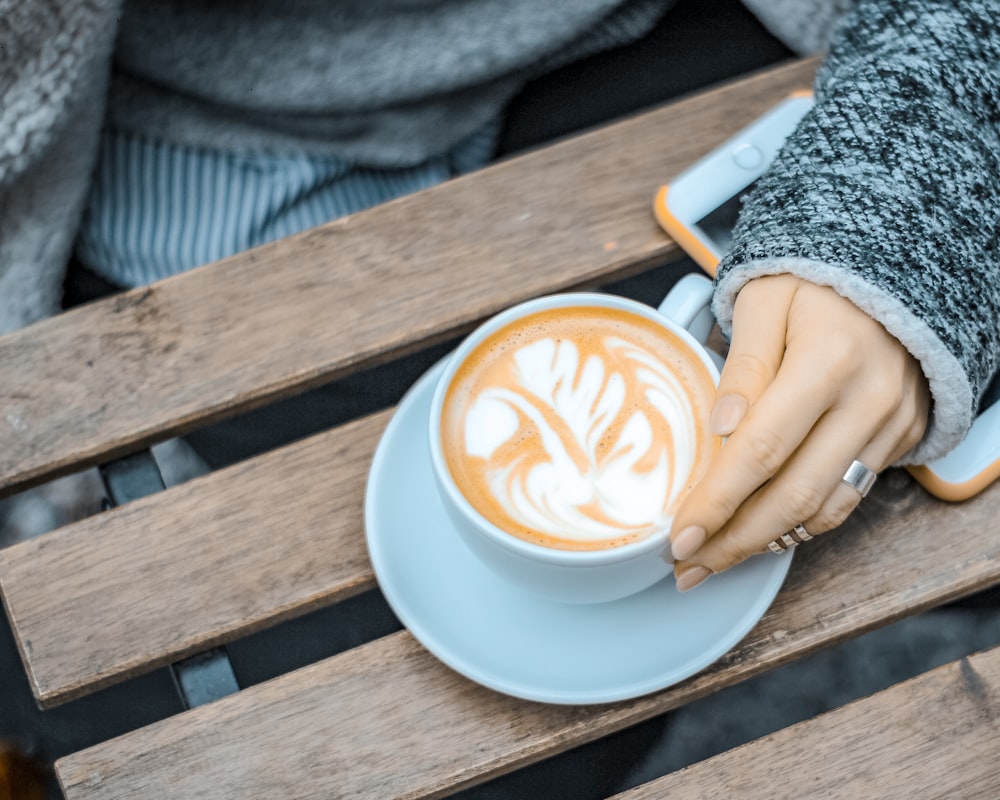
(530, 550)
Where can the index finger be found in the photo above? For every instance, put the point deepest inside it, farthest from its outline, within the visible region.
(774, 427)
(758, 344)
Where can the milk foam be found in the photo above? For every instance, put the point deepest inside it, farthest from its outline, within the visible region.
(580, 449)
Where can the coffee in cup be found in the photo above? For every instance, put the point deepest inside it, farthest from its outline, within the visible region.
(578, 428)
(565, 432)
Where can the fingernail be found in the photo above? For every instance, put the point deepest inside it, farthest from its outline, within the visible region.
(686, 543)
(728, 411)
(691, 577)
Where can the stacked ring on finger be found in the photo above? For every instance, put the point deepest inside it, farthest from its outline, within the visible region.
(796, 535)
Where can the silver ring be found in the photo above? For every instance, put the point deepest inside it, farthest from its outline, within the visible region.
(860, 477)
(797, 535)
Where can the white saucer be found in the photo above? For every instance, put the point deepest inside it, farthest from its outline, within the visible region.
(516, 643)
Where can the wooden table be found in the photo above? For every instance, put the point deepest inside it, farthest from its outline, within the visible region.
(172, 575)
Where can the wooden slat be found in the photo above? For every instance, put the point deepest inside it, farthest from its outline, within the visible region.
(178, 572)
(210, 561)
(388, 721)
(99, 381)
(936, 735)
(214, 559)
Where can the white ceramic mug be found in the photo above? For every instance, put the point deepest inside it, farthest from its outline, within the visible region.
(575, 576)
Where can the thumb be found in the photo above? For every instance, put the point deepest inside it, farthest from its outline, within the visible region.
(760, 321)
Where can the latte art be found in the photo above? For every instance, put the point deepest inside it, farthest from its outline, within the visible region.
(578, 428)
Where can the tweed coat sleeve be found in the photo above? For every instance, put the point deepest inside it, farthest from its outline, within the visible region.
(889, 192)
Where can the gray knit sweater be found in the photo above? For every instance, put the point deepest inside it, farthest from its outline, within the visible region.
(889, 191)
(53, 78)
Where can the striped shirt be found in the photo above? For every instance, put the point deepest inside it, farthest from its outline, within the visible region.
(160, 207)
(156, 209)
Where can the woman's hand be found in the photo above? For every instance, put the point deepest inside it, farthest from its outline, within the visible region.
(811, 383)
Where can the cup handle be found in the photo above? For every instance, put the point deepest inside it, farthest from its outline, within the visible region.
(689, 304)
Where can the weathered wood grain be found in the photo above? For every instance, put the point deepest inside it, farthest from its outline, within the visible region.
(205, 562)
(388, 721)
(935, 736)
(103, 379)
